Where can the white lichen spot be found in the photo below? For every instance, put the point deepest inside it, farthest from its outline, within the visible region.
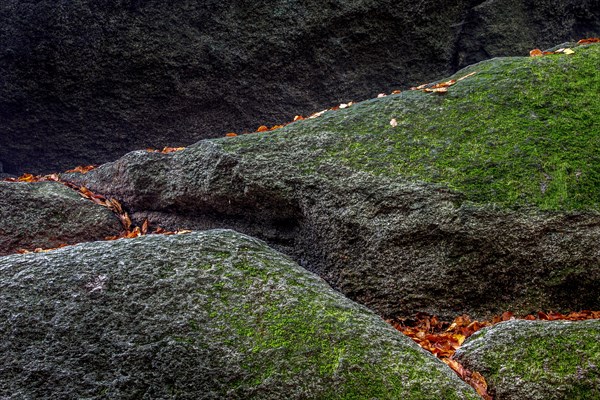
(98, 284)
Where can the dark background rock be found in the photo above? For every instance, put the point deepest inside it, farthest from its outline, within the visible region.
(537, 360)
(84, 82)
(210, 315)
(48, 214)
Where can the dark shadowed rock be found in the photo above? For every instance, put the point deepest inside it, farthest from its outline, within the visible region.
(480, 201)
(537, 360)
(48, 214)
(208, 315)
(84, 82)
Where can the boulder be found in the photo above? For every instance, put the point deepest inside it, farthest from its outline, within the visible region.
(85, 82)
(478, 201)
(48, 214)
(207, 315)
(535, 360)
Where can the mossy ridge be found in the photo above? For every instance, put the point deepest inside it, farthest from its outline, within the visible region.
(304, 335)
(520, 132)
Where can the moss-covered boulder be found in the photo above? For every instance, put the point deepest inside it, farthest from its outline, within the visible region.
(479, 200)
(537, 360)
(48, 214)
(207, 315)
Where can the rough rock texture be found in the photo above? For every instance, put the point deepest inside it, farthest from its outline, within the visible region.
(488, 215)
(207, 315)
(537, 360)
(84, 82)
(48, 214)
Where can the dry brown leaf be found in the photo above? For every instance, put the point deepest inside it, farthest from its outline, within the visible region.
(436, 90)
(82, 169)
(145, 227)
(589, 41)
(536, 53)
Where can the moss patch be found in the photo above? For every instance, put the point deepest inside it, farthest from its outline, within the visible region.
(283, 327)
(521, 132)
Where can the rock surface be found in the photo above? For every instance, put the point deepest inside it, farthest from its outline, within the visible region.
(84, 82)
(537, 360)
(478, 202)
(206, 315)
(48, 214)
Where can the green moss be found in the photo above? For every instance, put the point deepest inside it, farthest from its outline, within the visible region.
(285, 328)
(567, 363)
(520, 132)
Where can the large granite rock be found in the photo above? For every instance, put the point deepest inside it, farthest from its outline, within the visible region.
(209, 315)
(478, 201)
(537, 360)
(48, 214)
(84, 82)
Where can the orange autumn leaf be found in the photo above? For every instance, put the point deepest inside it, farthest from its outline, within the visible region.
(171, 149)
(536, 53)
(456, 367)
(397, 92)
(145, 227)
(275, 127)
(298, 118)
(230, 134)
(82, 169)
(589, 41)
(262, 128)
(28, 178)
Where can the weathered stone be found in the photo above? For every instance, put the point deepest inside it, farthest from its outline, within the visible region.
(84, 82)
(48, 214)
(537, 360)
(208, 315)
(481, 201)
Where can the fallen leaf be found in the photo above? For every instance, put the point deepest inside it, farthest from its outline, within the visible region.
(456, 367)
(536, 53)
(82, 169)
(589, 41)
(171, 149)
(318, 114)
(380, 95)
(436, 90)
(393, 122)
(397, 92)
(262, 128)
(466, 76)
(145, 227)
(298, 118)
(568, 51)
(231, 134)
